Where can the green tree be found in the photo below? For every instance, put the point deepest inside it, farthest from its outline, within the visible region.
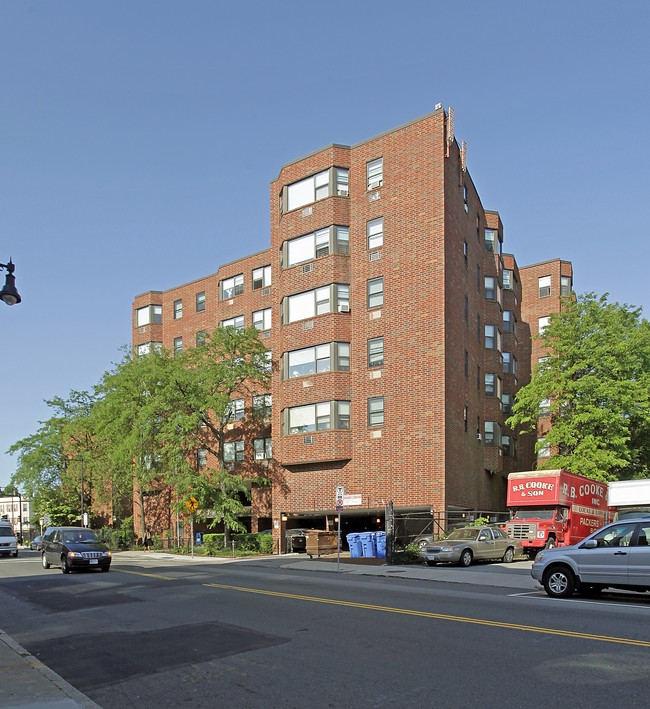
(596, 377)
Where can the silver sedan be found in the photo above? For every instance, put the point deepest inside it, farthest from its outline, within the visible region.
(467, 544)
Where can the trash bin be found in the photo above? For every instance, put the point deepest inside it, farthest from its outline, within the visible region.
(354, 542)
(318, 543)
(368, 544)
(380, 541)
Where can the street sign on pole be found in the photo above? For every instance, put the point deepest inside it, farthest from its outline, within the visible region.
(339, 508)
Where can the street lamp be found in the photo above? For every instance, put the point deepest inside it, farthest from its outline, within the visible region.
(9, 293)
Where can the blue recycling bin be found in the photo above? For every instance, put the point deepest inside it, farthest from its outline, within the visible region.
(380, 541)
(368, 544)
(354, 542)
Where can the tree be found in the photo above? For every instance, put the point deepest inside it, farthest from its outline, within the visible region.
(596, 378)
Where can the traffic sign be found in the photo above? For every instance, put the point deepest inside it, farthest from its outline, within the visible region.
(191, 504)
(339, 497)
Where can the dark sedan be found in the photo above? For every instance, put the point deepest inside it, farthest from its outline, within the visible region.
(74, 548)
(35, 543)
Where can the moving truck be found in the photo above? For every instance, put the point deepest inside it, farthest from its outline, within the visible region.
(554, 508)
(629, 498)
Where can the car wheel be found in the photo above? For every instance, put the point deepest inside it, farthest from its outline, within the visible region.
(15, 554)
(509, 556)
(45, 562)
(106, 568)
(465, 558)
(559, 582)
(64, 565)
(431, 563)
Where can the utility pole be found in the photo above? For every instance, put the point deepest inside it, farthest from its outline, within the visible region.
(390, 533)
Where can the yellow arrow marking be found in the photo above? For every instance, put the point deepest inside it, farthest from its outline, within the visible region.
(141, 573)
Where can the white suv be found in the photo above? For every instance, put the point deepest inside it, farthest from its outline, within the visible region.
(8, 542)
(616, 556)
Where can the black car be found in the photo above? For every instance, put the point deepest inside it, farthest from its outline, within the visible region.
(74, 548)
(296, 540)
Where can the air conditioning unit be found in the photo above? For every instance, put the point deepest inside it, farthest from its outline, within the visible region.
(343, 192)
(374, 183)
(479, 437)
(307, 439)
(374, 256)
(266, 291)
(143, 329)
(344, 308)
(308, 268)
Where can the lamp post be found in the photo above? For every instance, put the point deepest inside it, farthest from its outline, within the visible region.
(9, 293)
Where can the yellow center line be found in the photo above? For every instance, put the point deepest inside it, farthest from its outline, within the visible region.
(141, 573)
(440, 616)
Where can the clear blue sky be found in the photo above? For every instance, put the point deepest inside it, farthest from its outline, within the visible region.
(138, 140)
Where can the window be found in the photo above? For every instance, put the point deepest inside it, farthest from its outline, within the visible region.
(202, 457)
(178, 309)
(262, 448)
(543, 448)
(543, 323)
(375, 292)
(565, 285)
(491, 385)
(236, 409)
(376, 411)
(262, 405)
(200, 301)
(478, 278)
(509, 321)
(544, 286)
(233, 451)
(322, 416)
(465, 205)
(261, 277)
(545, 407)
(323, 300)
(465, 252)
(508, 446)
(492, 433)
(376, 352)
(200, 338)
(147, 347)
(492, 337)
(317, 187)
(491, 286)
(232, 286)
(491, 240)
(375, 233)
(465, 415)
(508, 279)
(509, 363)
(262, 319)
(332, 239)
(178, 345)
(506, 402)
(316, 360)
(237, 323)
(466, 366)
(375, 173)
(148, 314)
(466, 310)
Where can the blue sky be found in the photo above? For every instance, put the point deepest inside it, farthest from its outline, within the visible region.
(138, 140)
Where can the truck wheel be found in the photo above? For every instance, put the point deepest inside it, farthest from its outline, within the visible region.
(559, 582)
(45, 562)
(550, 543)
(465, 558)
(509, 556)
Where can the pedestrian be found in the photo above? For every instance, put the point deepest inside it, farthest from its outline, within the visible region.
(147, 540)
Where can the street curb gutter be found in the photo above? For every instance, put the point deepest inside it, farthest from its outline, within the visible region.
(54, 692)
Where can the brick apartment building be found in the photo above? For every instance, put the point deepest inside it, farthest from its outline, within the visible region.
(398, 328)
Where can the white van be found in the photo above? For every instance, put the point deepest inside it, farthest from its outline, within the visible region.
(8, 542)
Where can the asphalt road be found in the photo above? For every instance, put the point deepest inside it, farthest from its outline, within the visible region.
(253, 634)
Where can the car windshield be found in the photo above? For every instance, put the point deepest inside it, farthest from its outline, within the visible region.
(6, 532)
(466, 534)
(533, 513)
(83, 536)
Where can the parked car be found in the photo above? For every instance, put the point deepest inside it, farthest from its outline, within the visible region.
(8, 541)
(296, 539)
(615, 556)
(35, 543)
(74, 548)
(468, 544)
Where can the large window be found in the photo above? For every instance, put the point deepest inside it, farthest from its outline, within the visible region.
(492, 385)
(544, 286)
(376, 352)
(492, 433)
(375, 292)
(508, 279)
(316, 187)
(178, 345)
(543, 323)
(491, 239)
(333, 297)
(375, 173)
(375, 233)
(261, 277)
(232, 286)
(262, 448)
(236, 322)
(262, 319)
(565, 285)
(236, 409)
(322, 416)
(332, 239)
(147, 347)
(178, 309)
(509, 363)
(491, 288)
(492, 337)
(233, 451)
(316, 360)
(148, 314)
(262, 404)
(200, 301)
(506, 402)
(509, 321)
(376, 411)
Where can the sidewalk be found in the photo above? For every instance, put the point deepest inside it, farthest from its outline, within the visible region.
(26, 683)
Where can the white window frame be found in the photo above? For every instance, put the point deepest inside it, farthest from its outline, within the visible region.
(233, 451)
(320, 416)
(230, 287)
(262, 319)
(375, 292)
(543, 323)
(178, 309)
(544, 286)
(148, 314)
(375, 233)
(261, 277)
(237, 323)
(319, 301)
(376, 411)
(374, 173)
(263, 448)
